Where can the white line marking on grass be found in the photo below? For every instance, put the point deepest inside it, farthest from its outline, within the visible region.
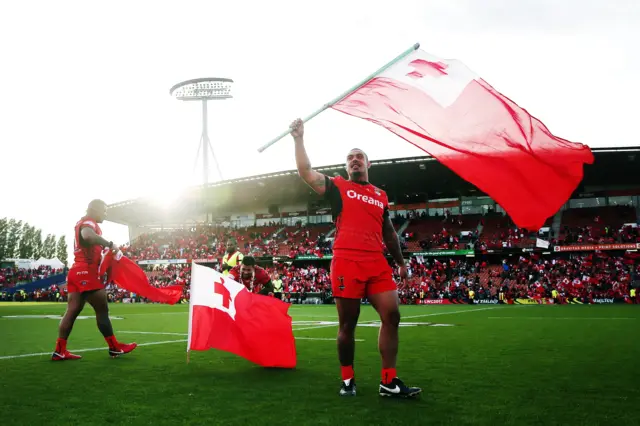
(184, 340)
(313, 328)
(566, 318)
(89, 350)
(314, 316)
(293, 314)
(185, 334)
(152, 332)
(411, 316)
(450, 312)
(324, 338)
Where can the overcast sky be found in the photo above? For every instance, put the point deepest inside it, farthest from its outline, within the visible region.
(85, 110)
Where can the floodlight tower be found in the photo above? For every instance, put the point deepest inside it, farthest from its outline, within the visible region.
(204, 89)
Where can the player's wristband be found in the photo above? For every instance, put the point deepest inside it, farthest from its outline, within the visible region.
(111, 244)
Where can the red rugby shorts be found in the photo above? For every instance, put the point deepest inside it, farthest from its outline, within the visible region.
(355, 279)
(83, 278)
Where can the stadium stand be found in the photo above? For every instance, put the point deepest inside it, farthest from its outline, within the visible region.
(456, 238)
(10, 277)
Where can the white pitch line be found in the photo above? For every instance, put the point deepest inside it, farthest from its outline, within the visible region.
(156, 313)
(185, 334)
(411, 316)
(152, 332)
(186, 312)
(566, 318)
(293, 314)
(314, 316)
(450, 312)
(89, 350)
(184, 340)
(324, 338)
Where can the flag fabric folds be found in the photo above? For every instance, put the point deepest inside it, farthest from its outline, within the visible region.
(224, 315)
(443, 108)
(129, 276)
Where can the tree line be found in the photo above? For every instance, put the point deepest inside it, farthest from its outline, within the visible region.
(23, 241)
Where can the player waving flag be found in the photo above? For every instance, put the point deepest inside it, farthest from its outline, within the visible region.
(359, 268)
(84, 284)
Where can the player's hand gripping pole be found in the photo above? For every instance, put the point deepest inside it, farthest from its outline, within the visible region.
(344, 95)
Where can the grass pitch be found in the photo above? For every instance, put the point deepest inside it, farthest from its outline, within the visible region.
(478, 365)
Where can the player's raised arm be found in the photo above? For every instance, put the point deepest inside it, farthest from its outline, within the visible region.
(313, 178)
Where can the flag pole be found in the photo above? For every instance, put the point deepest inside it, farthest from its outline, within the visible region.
(344, 95)
(193, 264)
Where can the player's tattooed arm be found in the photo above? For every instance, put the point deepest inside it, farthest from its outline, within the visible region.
(312, 178)
(90, 237)
(391, 240)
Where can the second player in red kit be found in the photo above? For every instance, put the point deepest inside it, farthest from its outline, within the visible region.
(85, 285)
(358, 267)
(253, 277)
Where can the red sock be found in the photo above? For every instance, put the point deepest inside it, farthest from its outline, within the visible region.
(347, 372)
(388, 374)
(61, 345)
(112, 342)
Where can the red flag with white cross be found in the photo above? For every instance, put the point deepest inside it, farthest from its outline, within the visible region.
(224, 315)
(445, 109)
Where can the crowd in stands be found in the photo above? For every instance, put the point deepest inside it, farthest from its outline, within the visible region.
(605, 225)
(52, 293)
(448, 232)
(499, 232)
(295, 279)
(196, 243)
(585, 275)
(10, 277)
(602, 225)
(210, 242)
(582, 276)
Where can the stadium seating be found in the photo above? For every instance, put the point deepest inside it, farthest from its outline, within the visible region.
(302, 240)
(598, 225)
(10, 277)
(425, 233)
(592, 275)
(585, 276)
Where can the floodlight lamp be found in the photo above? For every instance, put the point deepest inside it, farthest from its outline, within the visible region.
(202, 89)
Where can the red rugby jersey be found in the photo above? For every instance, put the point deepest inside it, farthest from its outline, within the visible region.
(359, 211)
(253, 284)
(85, 255)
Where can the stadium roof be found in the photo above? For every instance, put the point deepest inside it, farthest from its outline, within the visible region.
(406, 180)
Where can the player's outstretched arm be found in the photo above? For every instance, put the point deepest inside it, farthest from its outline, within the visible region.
(90, 237)
(313, 178)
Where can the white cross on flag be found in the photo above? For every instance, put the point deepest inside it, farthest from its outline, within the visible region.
(442, 107)
(224, 315)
